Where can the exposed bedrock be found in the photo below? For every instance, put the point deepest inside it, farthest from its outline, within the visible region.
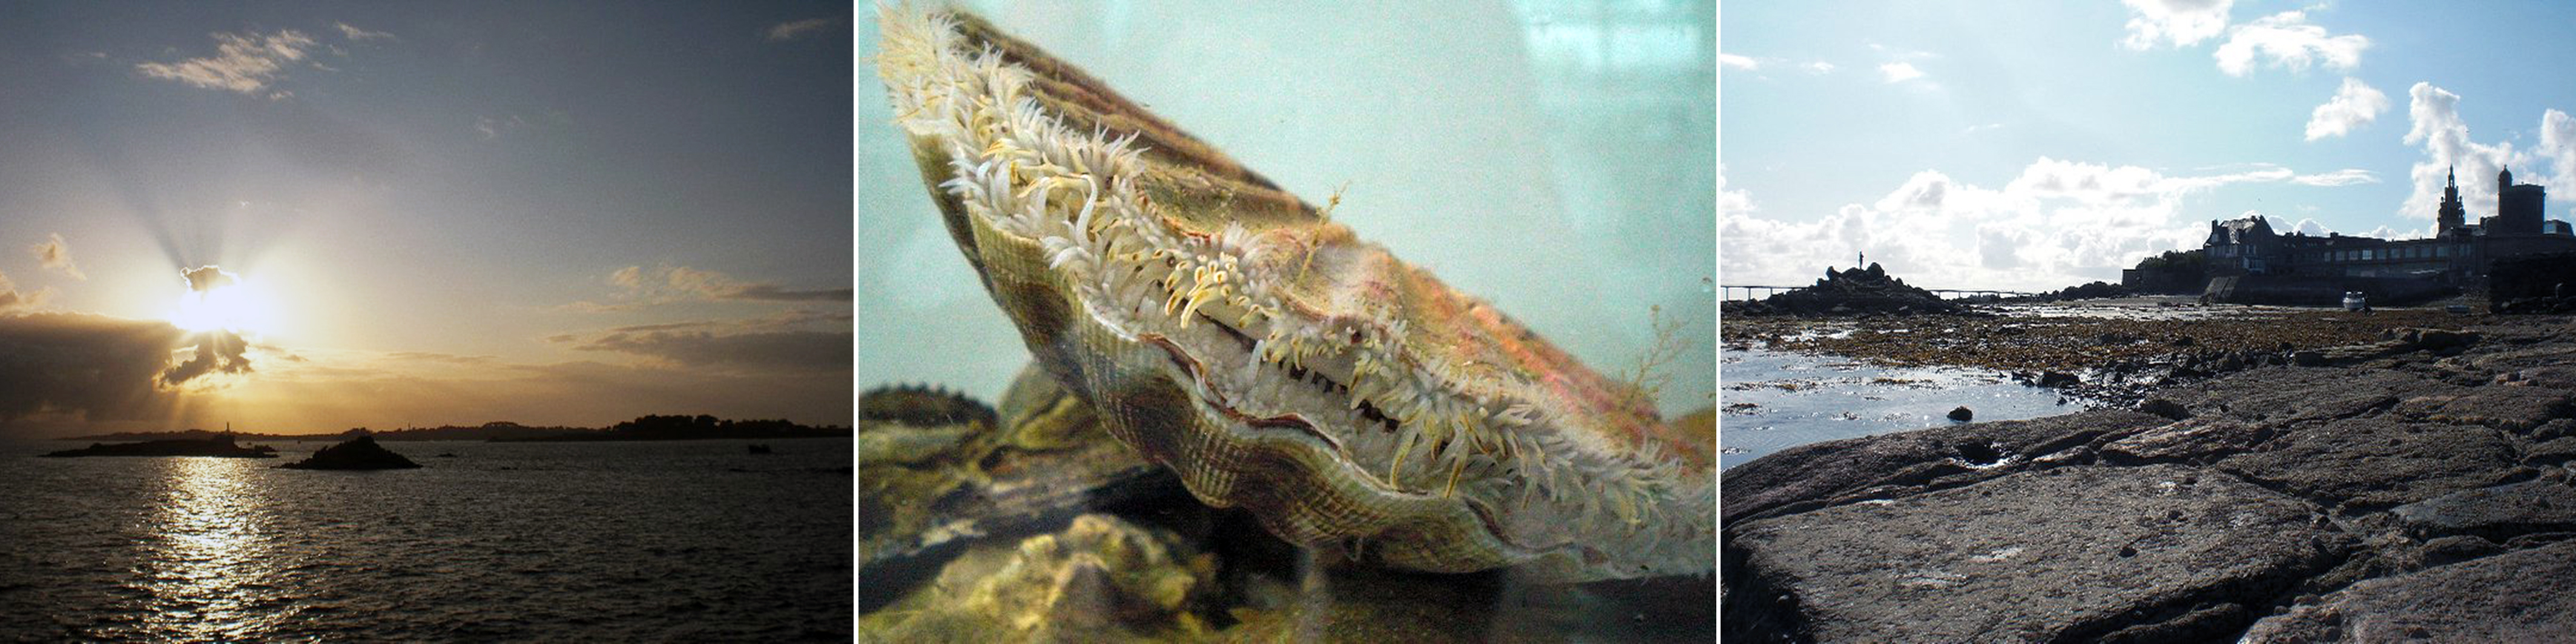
(2415, 488)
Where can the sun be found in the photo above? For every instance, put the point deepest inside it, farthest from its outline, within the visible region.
(217, 300)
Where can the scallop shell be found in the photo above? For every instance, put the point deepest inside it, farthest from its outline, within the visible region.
(1270, 357)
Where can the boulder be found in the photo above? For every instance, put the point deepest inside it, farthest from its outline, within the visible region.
(361, 453)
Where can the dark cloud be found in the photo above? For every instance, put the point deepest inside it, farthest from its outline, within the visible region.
(103, 368)
(791, 30)
(215, 352)
(100, 367)
(11, 297)
(797, 351)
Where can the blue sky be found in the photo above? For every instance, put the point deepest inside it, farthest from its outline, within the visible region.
(451, 213)
(2028, 145)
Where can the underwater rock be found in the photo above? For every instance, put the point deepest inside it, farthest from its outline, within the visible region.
(1100, 579)
(930, 490)
(1268, 355)
(361, 453)
(220, 446)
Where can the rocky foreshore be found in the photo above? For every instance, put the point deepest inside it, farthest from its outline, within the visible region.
(2411, 484)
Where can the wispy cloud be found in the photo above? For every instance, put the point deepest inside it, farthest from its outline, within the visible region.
(2338, 178)
(786, 31)
(2354, 105)
(1758, 63)
(356, 34)
(639, 286)
(790, 341)
(2179, 23)
(53, 254)
(247, 63)
(2287, 41)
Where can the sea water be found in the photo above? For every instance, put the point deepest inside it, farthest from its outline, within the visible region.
(615, 541)
(1775, 400)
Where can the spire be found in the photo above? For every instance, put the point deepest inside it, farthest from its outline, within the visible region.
(2451, 175)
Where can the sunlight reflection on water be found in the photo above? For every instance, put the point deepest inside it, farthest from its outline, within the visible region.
(208, 554)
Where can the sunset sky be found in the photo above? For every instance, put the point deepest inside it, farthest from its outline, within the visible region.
(2040, 144)
(423, 214)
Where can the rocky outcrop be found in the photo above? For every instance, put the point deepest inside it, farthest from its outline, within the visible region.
(2415, 487)
(1850, 292)
(220, 446)
(361, 453)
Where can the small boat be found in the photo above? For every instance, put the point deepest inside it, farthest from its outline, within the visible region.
(2355, 301)
(759, 449)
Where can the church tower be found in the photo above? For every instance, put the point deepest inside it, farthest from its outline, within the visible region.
(2452, 215)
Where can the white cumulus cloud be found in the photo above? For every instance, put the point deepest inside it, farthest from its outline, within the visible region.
(2354, 105)
(2178, 22)
(2447, 146)
(2057, 224)
(2558, 145)
(1899, 72)
(2288, 41)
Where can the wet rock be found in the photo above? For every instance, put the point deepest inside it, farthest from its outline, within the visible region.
(2068, 554)
(1817, 473)
(1962, 414)
(2512, 597)
(2055, 379)
(2168, 409)
(2497, 513)
(361, 453)
(1101, 579)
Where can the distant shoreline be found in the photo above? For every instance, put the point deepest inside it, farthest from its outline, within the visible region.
(646, 428)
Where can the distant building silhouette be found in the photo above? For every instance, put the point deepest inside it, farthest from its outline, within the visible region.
(2457, 254)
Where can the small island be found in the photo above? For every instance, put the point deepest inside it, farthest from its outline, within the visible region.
(217, 445)
(361, 453)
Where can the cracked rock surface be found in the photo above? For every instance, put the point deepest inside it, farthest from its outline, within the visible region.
(2413, 488)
